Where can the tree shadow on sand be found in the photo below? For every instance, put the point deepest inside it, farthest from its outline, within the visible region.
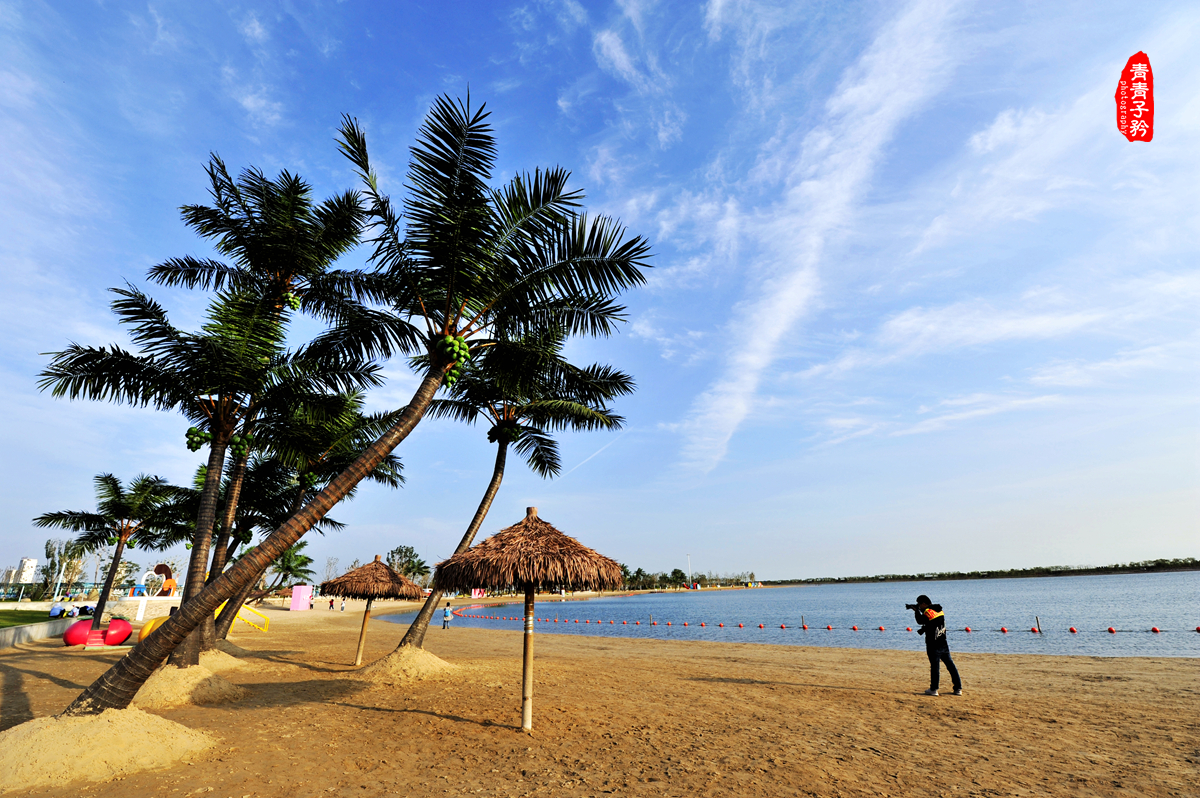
(767, 683)
(456, 718)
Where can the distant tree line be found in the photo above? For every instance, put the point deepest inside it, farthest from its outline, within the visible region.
(641, 579)
(1144, 566)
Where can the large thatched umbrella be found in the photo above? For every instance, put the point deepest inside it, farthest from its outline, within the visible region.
(528, 555)
(375, 580)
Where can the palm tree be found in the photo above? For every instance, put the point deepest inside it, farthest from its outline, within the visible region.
(221, 378)
(465, 257)
(524, 390)
(146, 515)
(291, 567)
(311, 448)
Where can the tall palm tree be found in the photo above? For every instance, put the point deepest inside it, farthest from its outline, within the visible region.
(524, 390)
(147, 514)
(464, 257)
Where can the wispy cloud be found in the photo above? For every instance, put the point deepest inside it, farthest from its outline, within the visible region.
(973, 407)
(829, 167)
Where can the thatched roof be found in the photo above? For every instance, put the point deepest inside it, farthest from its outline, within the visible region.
(375, 580)
(531, 552)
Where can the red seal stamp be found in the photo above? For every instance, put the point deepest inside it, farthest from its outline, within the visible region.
(1135, 99)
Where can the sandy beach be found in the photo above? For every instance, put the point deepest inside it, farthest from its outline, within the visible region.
(649, 718)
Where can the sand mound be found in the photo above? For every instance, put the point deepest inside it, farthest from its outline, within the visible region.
(171, 687)
(117, 742)
(218, 661)
(406, 664)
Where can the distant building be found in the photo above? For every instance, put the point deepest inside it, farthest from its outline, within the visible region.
(26, 571)
(10, 576)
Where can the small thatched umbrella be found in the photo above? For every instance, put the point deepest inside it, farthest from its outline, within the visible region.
(528, 555)
(375, 580)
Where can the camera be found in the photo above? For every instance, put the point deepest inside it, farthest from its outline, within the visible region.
(911, 607)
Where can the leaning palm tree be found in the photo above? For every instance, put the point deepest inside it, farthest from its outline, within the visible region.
(145, 514)
(310, 448)
(466, 262)
(524, 390)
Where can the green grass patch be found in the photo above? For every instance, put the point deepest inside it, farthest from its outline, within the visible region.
(22, 617)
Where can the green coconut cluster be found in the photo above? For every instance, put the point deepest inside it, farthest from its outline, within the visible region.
(239, 445)
(308, 479)
(292, 300)
(506, 432)
(197, 438)
(129, 544)
(457, 350)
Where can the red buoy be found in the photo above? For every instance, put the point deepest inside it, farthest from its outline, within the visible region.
(881, 629)
(782, 626)
(829, 628)
(702, 623)
(967, 629)
(760, 626)
(668, 623)
(1154, 629)
(909, 629)
(855, 628)
(684, 623)
(610, 623)
(1112, 631)
(740, 626)
(637, 623)
(1074, 630)
(1033, 629)
(1002, 629)
(654, 623)
(804, 626)
(624, 623)
(723, 626)
(586, 621)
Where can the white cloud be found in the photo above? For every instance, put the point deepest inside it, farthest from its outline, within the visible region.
(612, 55)
(1121, 367)
(977, 406)
(253, 30)
(1010, 127)
(256, 100)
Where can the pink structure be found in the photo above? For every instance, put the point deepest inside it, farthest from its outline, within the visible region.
(301, 596)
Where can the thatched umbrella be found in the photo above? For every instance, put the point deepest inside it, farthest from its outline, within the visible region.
(371, 581)
(528, 555)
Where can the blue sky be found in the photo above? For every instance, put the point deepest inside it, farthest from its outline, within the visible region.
(917, 304)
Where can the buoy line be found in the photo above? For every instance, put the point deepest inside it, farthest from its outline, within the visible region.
(461, 612)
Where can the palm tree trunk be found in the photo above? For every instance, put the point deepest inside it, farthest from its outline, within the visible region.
(118, 685)
(208, 629)
(98, 615)
(188, 654)
(415, 636)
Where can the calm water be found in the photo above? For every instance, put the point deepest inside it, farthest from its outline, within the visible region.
(1132, 604)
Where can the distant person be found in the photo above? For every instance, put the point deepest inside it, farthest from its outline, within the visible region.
(446, 616)
(933, 625)
(343, 605)
(331, 603)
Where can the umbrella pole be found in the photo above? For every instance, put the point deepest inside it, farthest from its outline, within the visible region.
(362, 636)
(527, 670)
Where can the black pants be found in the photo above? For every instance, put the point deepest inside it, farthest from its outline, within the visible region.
(445, 623)
(937, 655)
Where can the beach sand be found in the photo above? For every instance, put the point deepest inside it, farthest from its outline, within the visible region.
(627, 717)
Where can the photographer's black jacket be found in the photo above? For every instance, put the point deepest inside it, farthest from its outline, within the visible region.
(933, 625)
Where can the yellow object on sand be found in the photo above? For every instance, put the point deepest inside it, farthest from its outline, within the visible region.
(150, 626)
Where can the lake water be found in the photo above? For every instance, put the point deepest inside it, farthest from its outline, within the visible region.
(1130, 603)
